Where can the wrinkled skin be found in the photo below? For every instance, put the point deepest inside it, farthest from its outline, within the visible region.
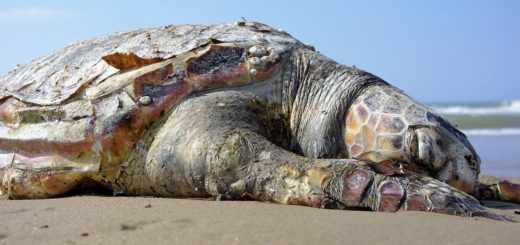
(236, 111)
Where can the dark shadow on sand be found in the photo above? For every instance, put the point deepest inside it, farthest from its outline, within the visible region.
(501, 205)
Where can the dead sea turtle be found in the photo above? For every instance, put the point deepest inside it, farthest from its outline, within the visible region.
(239, 110)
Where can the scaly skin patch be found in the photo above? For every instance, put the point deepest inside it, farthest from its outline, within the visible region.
(355, 186)
(416, 202)
(390, 197)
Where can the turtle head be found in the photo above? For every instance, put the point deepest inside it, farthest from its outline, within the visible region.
(445, 150)
(383, 123)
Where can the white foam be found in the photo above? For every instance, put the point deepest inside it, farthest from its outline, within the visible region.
(492, 131)
(506, 107)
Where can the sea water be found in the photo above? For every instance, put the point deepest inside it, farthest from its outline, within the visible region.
(494, 130)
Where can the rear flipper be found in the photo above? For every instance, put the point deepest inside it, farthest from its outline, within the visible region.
(28, 184)
(493, 188)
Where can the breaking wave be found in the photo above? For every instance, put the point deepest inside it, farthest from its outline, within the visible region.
(492, 131)
(478, 109)
(483, 118)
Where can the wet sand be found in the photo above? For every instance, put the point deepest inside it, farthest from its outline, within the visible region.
(147, 220)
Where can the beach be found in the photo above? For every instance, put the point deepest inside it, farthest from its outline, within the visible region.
(147, 220)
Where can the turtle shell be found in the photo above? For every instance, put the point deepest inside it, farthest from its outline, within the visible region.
(52, 79)
(85, 106)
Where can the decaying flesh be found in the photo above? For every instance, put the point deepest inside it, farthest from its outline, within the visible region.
(240, 110)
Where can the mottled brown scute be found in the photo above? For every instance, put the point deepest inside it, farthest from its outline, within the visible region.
(356, 183)
(417, 202)
(391, 195)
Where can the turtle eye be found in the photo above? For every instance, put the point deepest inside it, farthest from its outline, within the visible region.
(469, 158)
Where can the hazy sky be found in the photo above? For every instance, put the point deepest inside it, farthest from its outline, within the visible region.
(434, 50)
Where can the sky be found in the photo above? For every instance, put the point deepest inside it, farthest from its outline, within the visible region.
(436, 51)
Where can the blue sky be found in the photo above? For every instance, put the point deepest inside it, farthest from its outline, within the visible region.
(436, 51)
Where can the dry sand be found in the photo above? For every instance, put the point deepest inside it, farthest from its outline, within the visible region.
(146, 220)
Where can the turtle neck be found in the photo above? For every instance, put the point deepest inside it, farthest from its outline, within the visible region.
(319, 92)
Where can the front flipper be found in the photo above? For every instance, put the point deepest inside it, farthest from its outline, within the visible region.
(353, 184)
(380, 188)
(221, 143)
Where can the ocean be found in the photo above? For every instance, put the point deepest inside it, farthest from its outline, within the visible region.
(494, 130)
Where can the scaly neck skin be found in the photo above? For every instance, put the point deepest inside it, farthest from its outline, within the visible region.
(320, 92)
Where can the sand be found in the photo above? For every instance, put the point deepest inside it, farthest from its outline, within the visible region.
(147, 220)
